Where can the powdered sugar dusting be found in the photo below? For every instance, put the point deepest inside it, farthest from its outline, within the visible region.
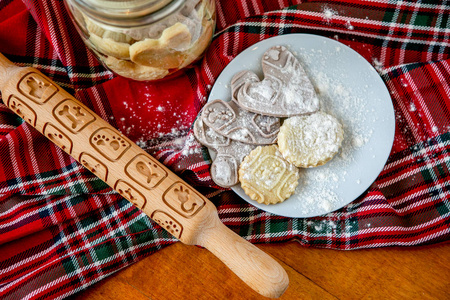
(329, 13)
(319, 186)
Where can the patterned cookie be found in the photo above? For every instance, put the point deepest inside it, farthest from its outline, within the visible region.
(134, 71)
(285, 90)
(266, 177)
(230, 153)
(228, 119)
(165, 52)
(310, 141)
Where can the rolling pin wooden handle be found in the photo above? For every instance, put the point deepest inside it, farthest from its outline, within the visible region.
(136, 175)
(259, 270)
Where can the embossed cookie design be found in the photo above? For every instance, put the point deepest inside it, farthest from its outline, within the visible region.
(72, 116)
(266, 177)
(129, 192)
(285, 90)
(230, 153)
(22, 109)
(183, 199)
(37, 88)
(311, 140)
(58, 137)
(228, 119)
(145, 172)
(109, 143)
(94, 165)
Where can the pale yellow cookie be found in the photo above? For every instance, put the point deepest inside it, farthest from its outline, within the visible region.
(165, 52)
(134, 71)
(310, 140)
(266, 176)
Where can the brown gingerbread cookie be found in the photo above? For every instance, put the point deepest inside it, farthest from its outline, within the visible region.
(230, 153)
(228, 119)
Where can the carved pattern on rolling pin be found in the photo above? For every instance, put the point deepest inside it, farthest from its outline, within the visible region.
(72, 116)
(183, 199)
(94, 165)
(145, 172)
(130, 193)
(23, 110)
(58, 137)
(168, 223)
(37, 88)
(109, 143)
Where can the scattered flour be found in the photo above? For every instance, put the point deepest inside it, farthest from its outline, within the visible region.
(349, 25)
(378, 65)
(328, 13)
(318, 187)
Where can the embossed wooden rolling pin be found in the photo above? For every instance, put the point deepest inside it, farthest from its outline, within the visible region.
(136, 175)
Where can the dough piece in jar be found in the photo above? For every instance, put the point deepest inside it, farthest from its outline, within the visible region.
(266, 176)
(310, 140)
(134, 71)
(200, 45)
(110, 47)
(164, 52)
(108, 42)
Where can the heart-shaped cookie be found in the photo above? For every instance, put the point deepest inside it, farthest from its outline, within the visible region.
(285, 90)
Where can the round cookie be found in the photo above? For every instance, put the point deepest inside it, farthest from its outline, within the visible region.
(310, 140)
(266, 176)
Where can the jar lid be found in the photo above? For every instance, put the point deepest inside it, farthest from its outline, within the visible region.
(128, 13)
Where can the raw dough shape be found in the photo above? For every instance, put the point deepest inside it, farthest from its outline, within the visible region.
(228, 119)
(230, 153)
(310, 140)
(285, 90)
(267, 177)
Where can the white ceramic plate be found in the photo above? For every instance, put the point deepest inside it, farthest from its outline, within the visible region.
(350, 89)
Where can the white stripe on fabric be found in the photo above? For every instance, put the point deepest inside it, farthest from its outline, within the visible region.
(412, 172)
(32, 156)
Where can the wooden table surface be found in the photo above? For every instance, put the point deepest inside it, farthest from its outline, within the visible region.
(189, 272)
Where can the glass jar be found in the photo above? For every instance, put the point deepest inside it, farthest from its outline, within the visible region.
(145, 39)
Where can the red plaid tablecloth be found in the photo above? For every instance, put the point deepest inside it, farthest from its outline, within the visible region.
(62, 229)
